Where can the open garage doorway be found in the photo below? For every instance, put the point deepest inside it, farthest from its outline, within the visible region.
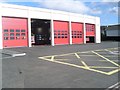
(90, 39)
(40, 32)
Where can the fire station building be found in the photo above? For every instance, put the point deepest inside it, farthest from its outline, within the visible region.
(23, 26)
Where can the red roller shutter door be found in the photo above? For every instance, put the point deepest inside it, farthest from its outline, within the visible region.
(61, 30)
(14, 32)
(77, 33)
(90, 30)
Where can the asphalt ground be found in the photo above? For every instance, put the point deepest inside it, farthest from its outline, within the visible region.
(65, 66)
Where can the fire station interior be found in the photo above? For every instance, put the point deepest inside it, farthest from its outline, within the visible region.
(40, 30)
(90, 39)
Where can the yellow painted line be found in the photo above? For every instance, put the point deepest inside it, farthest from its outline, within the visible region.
(83, 67)
(100, 50)
(108, 50)
(113, 48)
(61, 59)
(86, 67)
(52, 58)
(74, 53)
(60, 55)
(101, 67)
(84, 52)
(106, 59)
(85, 64)
(114, 71)
(73, 65)
(88, 55)
(77, 55)
(111, 51)
(113, 56)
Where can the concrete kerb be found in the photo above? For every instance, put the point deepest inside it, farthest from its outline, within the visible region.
(13, 53)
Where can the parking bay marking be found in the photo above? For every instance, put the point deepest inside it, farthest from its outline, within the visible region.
(85, 66)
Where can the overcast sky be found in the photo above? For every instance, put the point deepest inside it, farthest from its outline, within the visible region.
(107, 10)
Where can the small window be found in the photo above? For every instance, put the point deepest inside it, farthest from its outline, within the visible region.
(55, 36)
(12, 38)
(58, 33)
(22, 30)
(23, 34)
(17, 30)
(65, 36)
(17, 34)
(58, 36)
(75, 34)
(5, 38)
(11, 30)
(6, 34)
(55, 31)
(5, 30)
(12, 34)
(62, 36)
(17, 38)
(23, 38)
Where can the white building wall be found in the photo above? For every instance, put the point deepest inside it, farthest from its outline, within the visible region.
(14, 12)
(38, 13)
(70, 32)
(29, 30)
(52, 33)
(84, 26)
(98, 32)
(60, 16)
(77, 18)
(89, 19)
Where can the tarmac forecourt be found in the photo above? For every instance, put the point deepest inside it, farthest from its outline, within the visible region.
(104, 61)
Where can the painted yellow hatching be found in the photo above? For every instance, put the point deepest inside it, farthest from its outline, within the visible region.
(77, 55)
(106, 58)
(85, 66)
